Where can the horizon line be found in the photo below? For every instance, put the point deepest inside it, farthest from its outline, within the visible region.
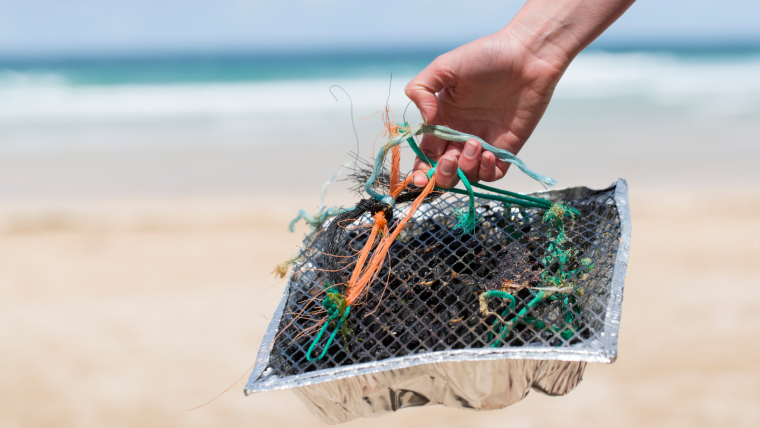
(292, 52)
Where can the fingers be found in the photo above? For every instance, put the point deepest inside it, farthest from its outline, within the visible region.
(491, 169)
(446, 173)
(443, 152)
(424, 98)
(420, 180)
(422, 89)
(470, 160)
(433, 148)
(476, 164)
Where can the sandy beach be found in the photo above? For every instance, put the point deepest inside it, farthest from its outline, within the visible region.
(123, 313)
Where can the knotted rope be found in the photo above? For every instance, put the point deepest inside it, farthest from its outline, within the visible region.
(380, 238)
(560, 282)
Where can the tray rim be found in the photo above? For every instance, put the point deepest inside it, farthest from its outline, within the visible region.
(606, 354)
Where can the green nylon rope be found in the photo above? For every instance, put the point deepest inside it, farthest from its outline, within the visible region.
(330, 339)
(317, 219)
(503, 195)
(322, 213)
(507, 328)
(336, 307)
(555, 218)
(539, 201)
(511, 303)
(335, 303)
(450, 135)
(504, 295)
(466, 220)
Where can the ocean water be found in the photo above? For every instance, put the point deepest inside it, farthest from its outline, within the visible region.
(144, 103)
(189, 122)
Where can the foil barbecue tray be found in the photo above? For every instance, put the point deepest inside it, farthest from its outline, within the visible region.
(421, 337)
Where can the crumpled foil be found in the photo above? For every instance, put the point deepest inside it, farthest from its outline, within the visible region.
(476, 378)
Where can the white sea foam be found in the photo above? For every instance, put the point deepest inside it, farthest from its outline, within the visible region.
(52, 99)
(43, 111)
(659, 76)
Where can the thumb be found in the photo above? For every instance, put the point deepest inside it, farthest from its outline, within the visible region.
(422, 89)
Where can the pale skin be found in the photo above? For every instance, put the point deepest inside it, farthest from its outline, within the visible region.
(498, 87)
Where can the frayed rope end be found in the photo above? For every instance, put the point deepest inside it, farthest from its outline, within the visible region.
(467, 220)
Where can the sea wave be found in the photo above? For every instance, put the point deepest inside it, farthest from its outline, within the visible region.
(43, 109)
(660, 76)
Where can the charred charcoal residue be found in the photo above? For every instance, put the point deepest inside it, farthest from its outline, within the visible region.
(426, 297)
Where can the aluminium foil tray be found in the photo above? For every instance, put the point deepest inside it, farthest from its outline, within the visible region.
(419, 339)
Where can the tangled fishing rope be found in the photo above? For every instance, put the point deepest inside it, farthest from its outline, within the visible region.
(340, 295)
(552, 283)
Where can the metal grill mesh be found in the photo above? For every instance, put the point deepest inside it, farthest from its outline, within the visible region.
(426, 298)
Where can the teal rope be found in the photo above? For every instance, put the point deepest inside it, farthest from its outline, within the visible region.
(569, 211)
(554, 217)
(504, 295)
(314, 342)
(466, 220)
(539, 201)
(563, 333)
(386, 199)
(335, 303)
(446, 134)
(322, 213)
(511, 303)
(330, 339)
(336, 307)
(569, 316)
(499, 198)
(430, 173)
(501, 154)
(512, 198)
(507, 328)
(317, 219)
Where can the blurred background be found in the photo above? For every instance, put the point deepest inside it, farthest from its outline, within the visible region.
(153, 152)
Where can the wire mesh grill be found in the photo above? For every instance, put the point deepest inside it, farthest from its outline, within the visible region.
(426, 297)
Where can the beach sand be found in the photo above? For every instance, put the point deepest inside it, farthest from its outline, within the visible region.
(121, 312)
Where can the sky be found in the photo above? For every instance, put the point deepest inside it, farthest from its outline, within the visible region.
(62, 27)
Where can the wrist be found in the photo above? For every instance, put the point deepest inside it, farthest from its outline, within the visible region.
(543, 38)
(555, 31)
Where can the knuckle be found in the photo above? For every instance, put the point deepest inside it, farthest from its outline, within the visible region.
(411, 90)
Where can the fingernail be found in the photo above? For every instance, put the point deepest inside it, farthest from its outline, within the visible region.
(470, 149)
(447, 166)
(485, 161)
(419, 180)
(424, 117)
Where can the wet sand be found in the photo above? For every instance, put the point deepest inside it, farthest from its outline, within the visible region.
(122, 311)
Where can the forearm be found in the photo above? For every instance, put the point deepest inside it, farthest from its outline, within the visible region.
(558, 30)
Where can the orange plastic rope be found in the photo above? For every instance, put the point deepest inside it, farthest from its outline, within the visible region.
(405, 183)
(380, 224)
(395, 171)
(363, 276)
(356, 289)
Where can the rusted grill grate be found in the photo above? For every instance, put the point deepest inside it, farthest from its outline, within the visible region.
(426, 299)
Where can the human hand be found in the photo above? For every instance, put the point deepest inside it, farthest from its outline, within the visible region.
(493, 88)
(498, 87)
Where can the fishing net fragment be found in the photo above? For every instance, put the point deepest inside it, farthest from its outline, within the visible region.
(354, 245)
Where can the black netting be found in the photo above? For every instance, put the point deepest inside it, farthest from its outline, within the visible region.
(427, 298)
